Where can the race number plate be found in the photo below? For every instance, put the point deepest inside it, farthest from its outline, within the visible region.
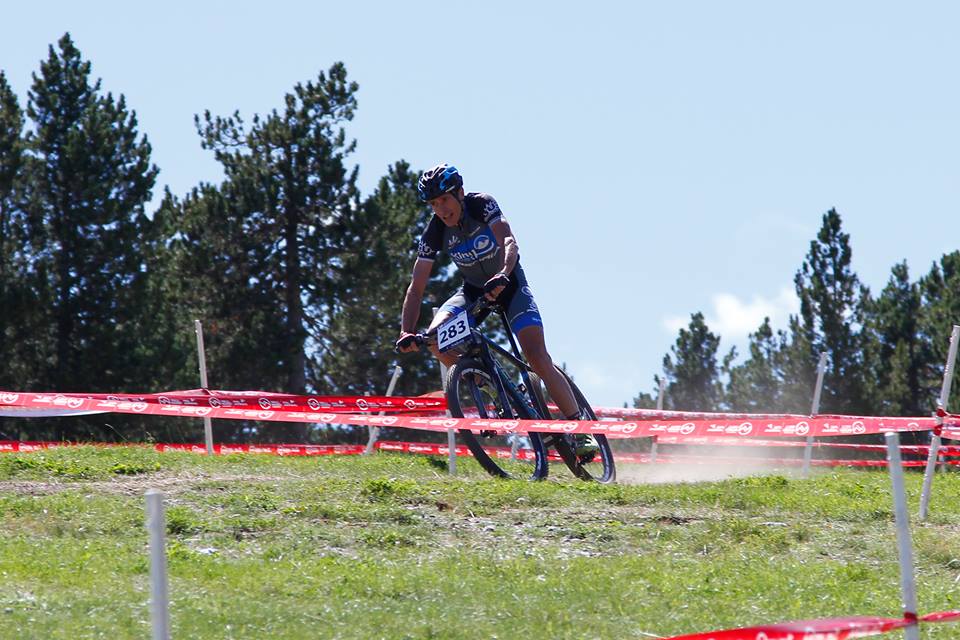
(453, 331)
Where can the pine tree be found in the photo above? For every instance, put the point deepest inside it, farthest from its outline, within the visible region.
(89, 179)
(359, 347)
(169, 358)
(290, 182)
(13, 295)
(282, 216)
(899, 353)
(692, 374)
(831, 320)
(209, 272)
(798, 359)
(204, 266)
(940, 305)
(756, 386)
(644, 400)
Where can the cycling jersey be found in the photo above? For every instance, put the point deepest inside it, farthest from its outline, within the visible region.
(473, 247)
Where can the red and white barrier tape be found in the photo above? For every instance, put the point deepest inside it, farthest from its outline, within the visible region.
(29, 446)
(351, 410)
(951, 424)
(624, 413)
(274, 449)
(825, 629)
(199, 400)
(817, 426)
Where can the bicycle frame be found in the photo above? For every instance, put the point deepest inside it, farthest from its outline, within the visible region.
(481, 348)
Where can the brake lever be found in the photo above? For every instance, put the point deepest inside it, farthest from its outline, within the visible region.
(419, 339)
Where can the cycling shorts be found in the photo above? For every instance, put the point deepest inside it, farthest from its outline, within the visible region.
(516, 299)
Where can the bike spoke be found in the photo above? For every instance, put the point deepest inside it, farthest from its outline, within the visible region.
(470, 390)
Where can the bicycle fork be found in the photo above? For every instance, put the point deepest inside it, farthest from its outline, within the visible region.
(508, 396)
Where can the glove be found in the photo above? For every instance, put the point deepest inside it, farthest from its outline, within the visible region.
(405, 341)
(494, 283)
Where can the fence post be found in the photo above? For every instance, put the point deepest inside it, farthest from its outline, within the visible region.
(661, 392)
(908, 586)
(202, 356)
(814, 410)
(375, 431)
(159, 594)
(935, 436)
(451, 434)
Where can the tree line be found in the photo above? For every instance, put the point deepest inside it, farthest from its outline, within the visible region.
(885, 353)
(297, 278)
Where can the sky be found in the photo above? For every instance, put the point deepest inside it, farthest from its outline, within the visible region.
(654, 159)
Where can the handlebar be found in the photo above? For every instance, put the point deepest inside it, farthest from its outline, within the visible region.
(430, 337)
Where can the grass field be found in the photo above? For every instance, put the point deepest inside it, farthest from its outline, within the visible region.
(390, 546)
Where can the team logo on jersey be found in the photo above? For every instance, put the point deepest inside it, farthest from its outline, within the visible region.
(470, 251)
(491, 207)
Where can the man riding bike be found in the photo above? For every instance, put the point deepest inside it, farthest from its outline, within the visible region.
(472, 230)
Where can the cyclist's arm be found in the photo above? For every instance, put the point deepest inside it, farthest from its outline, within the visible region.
(504, 235)
(411, 302)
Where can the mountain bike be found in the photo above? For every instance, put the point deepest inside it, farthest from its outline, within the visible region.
(477, 386)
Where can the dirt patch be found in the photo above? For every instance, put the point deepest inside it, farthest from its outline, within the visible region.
(702, 472)
(169, 483)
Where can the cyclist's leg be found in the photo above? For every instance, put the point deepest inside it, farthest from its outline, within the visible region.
(454, 304)
(526, 322)
(535, 350)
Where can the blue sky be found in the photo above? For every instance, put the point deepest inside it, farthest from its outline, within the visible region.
(654, 159)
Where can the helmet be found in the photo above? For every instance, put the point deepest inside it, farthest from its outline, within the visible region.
(435, 182)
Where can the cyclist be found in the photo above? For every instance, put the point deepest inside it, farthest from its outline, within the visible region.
(473, 231)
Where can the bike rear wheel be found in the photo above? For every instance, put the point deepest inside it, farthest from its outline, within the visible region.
(600, 465)
(471, 392)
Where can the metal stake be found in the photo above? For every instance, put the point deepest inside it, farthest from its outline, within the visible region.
(451, 434)
(660, 395)
(814, 410)
(908, 586)
(201, 355)
(159, 594)
(935, 436)
(375, 431)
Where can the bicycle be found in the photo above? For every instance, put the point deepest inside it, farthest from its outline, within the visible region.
(478, 386)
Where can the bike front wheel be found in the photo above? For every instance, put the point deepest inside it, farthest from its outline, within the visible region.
(471, 393)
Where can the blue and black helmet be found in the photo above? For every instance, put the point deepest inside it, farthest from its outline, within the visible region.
(435, 182)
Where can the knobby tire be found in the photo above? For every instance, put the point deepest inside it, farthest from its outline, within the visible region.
(462, 385)
(605, 470)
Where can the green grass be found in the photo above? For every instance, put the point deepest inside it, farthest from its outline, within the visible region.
(389, 546)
